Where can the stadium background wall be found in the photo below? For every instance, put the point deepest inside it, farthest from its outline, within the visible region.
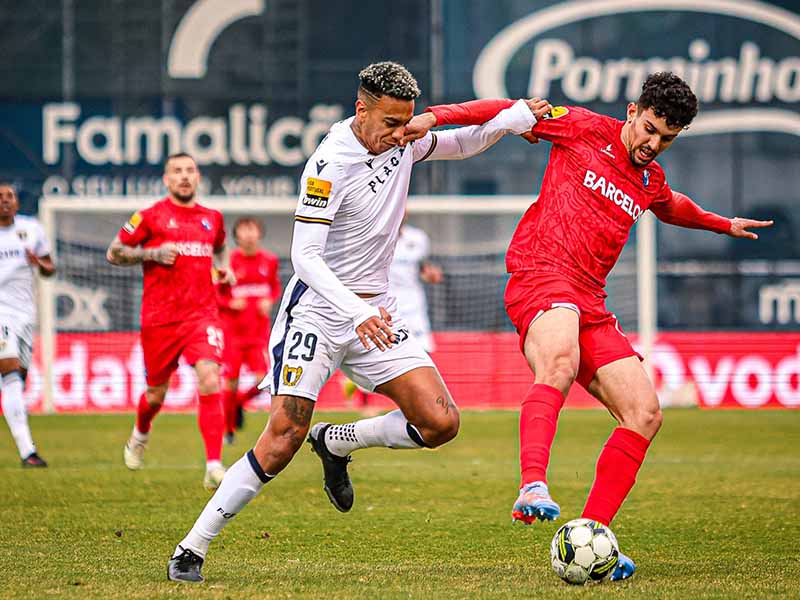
(94, 99)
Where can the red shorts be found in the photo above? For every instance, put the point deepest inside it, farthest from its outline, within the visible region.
(253, 356)
(162, 345)
(529, 294)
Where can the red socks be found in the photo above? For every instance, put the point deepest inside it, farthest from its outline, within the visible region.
(230, 403)
(212, 424)
(537, 428)
(617, 466)
(145, 413)
(251, 393)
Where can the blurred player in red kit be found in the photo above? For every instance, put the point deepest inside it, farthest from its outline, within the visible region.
(600, 178)
(245, 308)
(178, 242)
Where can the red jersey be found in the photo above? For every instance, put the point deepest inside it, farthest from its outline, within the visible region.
(591, 195)
(183, 291)
(256, 279)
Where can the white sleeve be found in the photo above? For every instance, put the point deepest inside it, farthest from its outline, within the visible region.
(463, 142)
(319, 202)
(42, 244)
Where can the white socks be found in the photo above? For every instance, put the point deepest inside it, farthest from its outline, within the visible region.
(391, 430)
(16, 413)
(241, 483)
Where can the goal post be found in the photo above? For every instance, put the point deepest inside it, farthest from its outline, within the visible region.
(92, 307)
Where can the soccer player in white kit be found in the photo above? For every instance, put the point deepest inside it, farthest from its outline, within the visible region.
(23, 249)
(336, 311)
(408, 270)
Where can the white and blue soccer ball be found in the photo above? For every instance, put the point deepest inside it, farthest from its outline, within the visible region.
(584, 550)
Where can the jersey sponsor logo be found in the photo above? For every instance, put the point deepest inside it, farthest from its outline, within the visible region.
(317, 192)
(133, 222)
(557, 112)
(612, 192)
(10, 253)
(251, 290)
(292, 375)
(195, 249)
(384, 172)
(748, 75)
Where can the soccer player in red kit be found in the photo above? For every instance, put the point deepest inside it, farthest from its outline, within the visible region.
(600, 178)
(177, 241)
(245, 309)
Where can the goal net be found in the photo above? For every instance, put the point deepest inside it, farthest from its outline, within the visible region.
(90, 357)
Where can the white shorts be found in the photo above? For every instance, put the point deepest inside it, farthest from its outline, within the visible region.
(16, 339)
(309, 342)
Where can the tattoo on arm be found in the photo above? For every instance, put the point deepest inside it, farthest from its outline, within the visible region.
(299, 410)
(121, 255)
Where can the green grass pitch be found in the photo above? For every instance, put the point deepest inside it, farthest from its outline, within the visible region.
(714, 515)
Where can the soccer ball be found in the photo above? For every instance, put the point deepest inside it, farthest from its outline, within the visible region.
(584, 550)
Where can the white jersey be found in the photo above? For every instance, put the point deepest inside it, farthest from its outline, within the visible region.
(413, 247)
(352, 203)
(17, 279)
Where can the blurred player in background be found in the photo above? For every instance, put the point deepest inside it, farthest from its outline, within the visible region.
(178, 242)
(245, 308)
(410, 268)
(336, 310)
(24, 250)
(408, 271)
(600, 178)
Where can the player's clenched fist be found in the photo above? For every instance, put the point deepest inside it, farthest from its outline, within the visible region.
(166, 254)
(539, 107)
(378, 330)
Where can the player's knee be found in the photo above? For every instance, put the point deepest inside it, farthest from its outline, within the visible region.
(646, 419)
(208, 382)
(442, 428)
(559, 371)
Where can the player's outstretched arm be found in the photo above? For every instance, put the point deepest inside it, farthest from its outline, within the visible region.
(461, 143)
(44, 264)
(125, 256)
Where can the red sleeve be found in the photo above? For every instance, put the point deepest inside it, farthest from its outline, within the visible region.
(565, 123)
(219, 241)
(474, 112)
(275, 280)
(136, 231)
(677, 209)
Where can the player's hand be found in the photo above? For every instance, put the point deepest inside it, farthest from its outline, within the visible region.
(739, 227)
(378, 330)
(431, 273)
(238, 304)
(225, 276)
(166, 254)
(531, 139)
(539, 107)
(418, 127)
(265, 306)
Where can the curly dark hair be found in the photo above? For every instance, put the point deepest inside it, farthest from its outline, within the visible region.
(388, 79)
(670, 97)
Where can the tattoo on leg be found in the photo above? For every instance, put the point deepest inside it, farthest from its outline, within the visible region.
(445, 404)
(299, 410)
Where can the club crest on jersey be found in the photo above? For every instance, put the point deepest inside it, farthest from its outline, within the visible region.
(645, 178)
(556, 112)
(317, 192)
(206, 225)
(133, 222)
(292, 375)
(22, 235)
